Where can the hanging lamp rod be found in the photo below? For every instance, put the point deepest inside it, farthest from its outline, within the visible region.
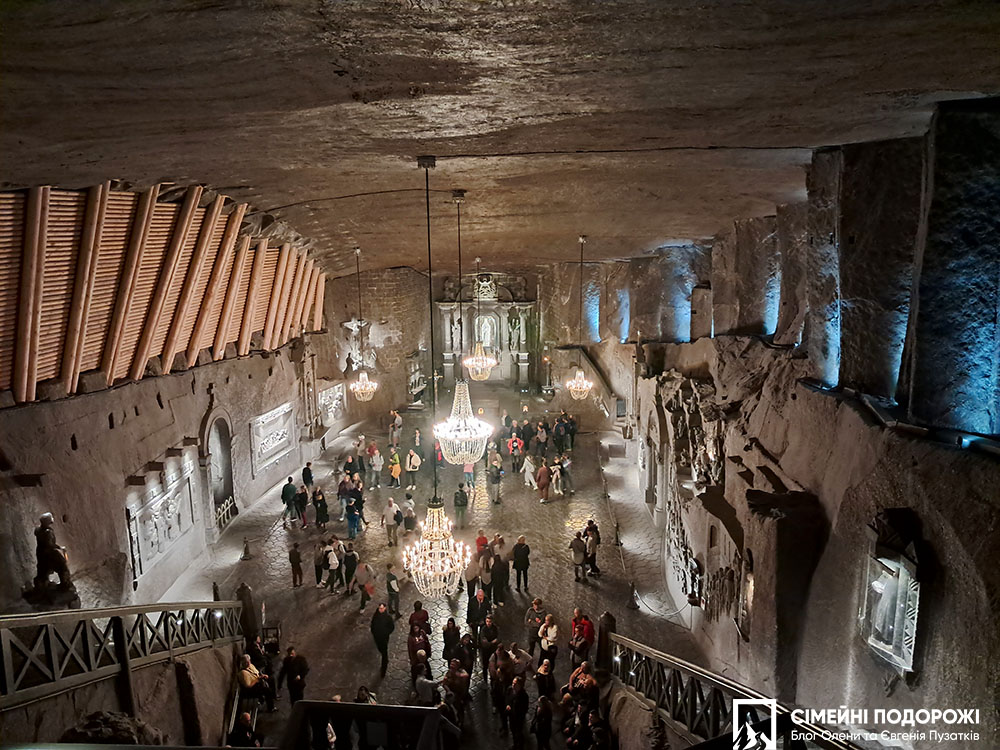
(427, 163)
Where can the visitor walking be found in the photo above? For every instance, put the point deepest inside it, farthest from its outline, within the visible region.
(288, 493)
(528, 469)
(392, 517)
(517, 711)
(335, 553)
(375, 464)
(395, 469)
(365, 577)
(343, 494)
(533, 620)
(489, 639)
(255, 684)
(295, 560)
(381, 628)
(461, 503)
(521, 555)
(307, 475)
(548, 636)
(494, 475)
(412, 467)
(477, 612)
(351, 560)
(322, 509)
(392, 590)
(294, 667)
(353, 519)
(319, 562)
(302, 505)
(418, 447)
(542, 479)
(541, 723)
(578, 549)
(469, 475)
(567, 479)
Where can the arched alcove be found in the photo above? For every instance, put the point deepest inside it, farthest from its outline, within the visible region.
(220, 452)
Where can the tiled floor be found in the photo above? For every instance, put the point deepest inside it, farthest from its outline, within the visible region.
(335, 638)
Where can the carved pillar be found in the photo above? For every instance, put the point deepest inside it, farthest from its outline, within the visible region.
(451, 342)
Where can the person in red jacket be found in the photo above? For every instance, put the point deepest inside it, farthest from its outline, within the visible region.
(589, 633)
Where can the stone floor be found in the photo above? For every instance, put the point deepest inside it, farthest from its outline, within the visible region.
(335, 638)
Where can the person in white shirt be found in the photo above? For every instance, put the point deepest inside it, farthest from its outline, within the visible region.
(389, 521)
(548, 636)
(412, 466)
(528, 468)
(375, 464)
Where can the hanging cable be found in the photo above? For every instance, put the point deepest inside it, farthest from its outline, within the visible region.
(428, 163)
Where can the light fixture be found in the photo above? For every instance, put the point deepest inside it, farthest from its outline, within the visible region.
(436, 561)
(579, 387)
(363, 388)
(481, 363)
(462, 436)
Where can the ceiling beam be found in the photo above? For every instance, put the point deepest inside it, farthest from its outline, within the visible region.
(320, 296)
(310, 298)
(29, 311)
(272, 303)
(83, 286)
(253, 292)
(171, 262)
(224, 257)
(194, 273)
(288, 322)
(229, 305)
(126, 281)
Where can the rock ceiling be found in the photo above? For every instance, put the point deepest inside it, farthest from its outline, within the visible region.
(641, 123)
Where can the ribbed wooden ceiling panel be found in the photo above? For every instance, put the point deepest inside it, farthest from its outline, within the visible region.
(241, 298)
(208, 335)
(62, 241)
(111, 253)
(174, 293)
(266, 283)
(202, 285)
(157, 239)
(11, 248)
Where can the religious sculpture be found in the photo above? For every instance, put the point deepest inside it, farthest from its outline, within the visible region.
(50, 557)
(514, 330)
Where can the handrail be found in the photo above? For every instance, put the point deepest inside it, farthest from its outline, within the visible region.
(47, 654)
(422, 727)
(696, 699)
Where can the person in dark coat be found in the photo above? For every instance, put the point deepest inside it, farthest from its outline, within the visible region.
(522, 562)
(382, 626)
(489, 639)
(516, 710)
(420, 617)
(294, 667)
(322, 509)
(243, 734)
(541, 724)
(452, 635)
(479, 610)
(301, 501)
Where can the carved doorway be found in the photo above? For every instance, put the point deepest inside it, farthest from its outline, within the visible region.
(221, 468)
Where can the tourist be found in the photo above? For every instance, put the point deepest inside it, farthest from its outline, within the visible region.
(302, 505)
(501, 671)
(559, 435)
(417, 641)
(451, 635)
(545, 682)
(359, 454)
(319, 562)
(542, 478)
(583, 687)
(395, 469)
(288, 493)
(567, 478)
(494, 475)
(486, 573)
(466, 652)
(461, 501)
(412, 467)
(521, 661)
(382, 626)
(579, 647)
(255, 684)
(420, 617)
(353, 519)
(578, 549)
(425, 687)
(295, 668)
(477, 612)
(392, 590)
(468, 474)
(438, 454)
(358, 493)
(395, 428)
(391, 518)
(350, 465)
(528, 469)
(533, 620)
(307, 475)
(571, 430)
(456, 682)
(417, 447)
(344, 493)
(335, 553)
(472, 575)
(521, 555)
(351, 560)
(482, 542)
(516, 711)
(541, 723)
(501, 572)
(375, 464)
(589, 631)
(515, 449)
(295, 559)
(541, 440)
(243, 733)
(365, 578)
(548, 635)
(592, 539)
(322, 509)
(409, 522)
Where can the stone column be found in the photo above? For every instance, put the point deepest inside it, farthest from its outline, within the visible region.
(956, 354)
(701, 312)
(758, 276)
(823, 265)
(790, 224)
(724, 302)
(449, 344)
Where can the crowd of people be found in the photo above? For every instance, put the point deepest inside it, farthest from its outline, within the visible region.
(525, 691)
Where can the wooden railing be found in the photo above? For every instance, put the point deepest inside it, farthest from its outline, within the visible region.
(225, 513)
(43, 655)
(696, 702)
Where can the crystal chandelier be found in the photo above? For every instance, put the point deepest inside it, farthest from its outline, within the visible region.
(579, 387)
(436, 561)
(462, 436)
(363, 388)
(481, 363)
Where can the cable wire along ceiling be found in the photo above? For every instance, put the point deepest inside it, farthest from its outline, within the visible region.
(579, 387)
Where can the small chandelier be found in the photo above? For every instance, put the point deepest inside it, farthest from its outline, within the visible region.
(363, 388)
(436, 561)
(462, 436)
(579, 387)
(481, 363)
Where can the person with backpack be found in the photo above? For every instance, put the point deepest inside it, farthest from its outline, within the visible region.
(395, 469)
(392, 517)
(461, 503)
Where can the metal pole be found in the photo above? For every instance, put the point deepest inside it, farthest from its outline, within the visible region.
(427, 162)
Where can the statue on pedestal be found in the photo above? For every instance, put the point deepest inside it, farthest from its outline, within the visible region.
(50, 557)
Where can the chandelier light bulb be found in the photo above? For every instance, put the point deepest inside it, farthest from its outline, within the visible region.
(579, 387)
(480, 364)
(363, 388)
(462, 436)
(436, 561)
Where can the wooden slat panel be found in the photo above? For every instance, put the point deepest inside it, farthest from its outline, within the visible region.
(274, 298)
(253, 296)
(83, 284)
(157, 239)
(236, 323)
(184, 267)
(126, 283)
(156, 317)
(211, 303)
(278, 337)
(293, 297)
(62, 243)
(229, 302)
(115, 232)
(195, 281)
(12, 206)
(294, 323)
(318, 309)
(305, 321)
(30, 294)
(266, 284)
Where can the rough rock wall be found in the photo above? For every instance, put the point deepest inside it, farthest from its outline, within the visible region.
(790, 219)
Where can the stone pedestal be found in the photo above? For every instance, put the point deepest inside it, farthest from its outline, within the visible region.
(522, 369)
(449, 369)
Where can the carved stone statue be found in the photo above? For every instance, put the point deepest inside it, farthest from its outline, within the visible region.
(514, 330)
(456, 333)
(50, 557)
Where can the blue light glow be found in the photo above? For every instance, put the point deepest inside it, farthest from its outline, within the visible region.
(591, 312)
(772, 300)
(624, 314)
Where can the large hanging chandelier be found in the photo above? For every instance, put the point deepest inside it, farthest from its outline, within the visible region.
(462, 436)
(436, 561)
(481, 363)
(579, 387)
(363, 388)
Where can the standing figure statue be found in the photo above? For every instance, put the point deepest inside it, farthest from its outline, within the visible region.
(514, 330)
(51, 558)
